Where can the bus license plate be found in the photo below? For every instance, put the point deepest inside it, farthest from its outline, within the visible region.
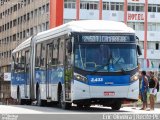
(109, 93)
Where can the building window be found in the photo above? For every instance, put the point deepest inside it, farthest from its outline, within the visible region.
(152, 8)
(135, 7)
(14, 22)
(70, 4)
(28, 16)
(19, 5)
(18, 20)
(39, 28)
(43, 9)
(20, 35)
(17, 35)
(24, 2)
(1, 16)
(10, 38)
(105, 5)
(47, 25)
(27, 33)
(31, 15)
(47, 7)
(157, 46)
(24, 34)
(21, 19)
(7, 40)
(7, 25)
(15, 8)
(43, 27)
(39, 12)
(158, 8)
(113, 6)
(35, 30)
(83, 5)
(14, 37)
(35, 13)
(10, 53)
(31, 31)
(28, 1)
(24, 18)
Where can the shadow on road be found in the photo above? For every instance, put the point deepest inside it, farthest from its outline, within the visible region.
(74, 109)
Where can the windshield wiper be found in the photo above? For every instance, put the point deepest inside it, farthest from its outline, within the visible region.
(102, 66)
(122, 69)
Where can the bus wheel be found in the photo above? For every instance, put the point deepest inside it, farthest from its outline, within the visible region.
(87, 106)
(63, 104)
(79, 105)
(116, 106)
(38, 98)
(19, 99)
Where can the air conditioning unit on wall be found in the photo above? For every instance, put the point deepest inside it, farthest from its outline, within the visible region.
(114, 14)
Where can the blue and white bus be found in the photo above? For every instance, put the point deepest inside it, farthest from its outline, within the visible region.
(81, 62)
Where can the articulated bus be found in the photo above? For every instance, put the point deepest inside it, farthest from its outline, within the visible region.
(84, 63)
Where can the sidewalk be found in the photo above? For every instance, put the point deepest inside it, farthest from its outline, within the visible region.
(157, 105)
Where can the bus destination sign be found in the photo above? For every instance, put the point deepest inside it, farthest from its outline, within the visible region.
(106, 38)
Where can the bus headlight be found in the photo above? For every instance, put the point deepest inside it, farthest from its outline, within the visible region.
(134, 77)
(80, 77)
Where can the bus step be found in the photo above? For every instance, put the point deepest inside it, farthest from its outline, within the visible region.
(26, 96)
(68, 101)
(49, 99)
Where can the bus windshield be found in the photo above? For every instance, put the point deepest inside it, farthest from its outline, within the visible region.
(111, 57)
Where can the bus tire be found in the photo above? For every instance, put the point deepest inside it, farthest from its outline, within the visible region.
(87, 106)
(19, 100)
(80, 106)
(63, 104)
(116, 106)
(38, 98)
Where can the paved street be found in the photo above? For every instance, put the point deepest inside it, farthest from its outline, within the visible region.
(25, 109)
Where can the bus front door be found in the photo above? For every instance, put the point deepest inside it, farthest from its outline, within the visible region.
(68, 74)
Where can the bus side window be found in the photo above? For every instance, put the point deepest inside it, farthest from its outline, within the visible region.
(55, 52)
(49, 54)
(13, 63)
(61, 52)
(17, 58)
(68, 54)
(22, 61)
(38, 54)
(43, 55)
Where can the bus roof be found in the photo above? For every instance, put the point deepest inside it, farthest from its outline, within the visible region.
(23, 45)
(85, 26)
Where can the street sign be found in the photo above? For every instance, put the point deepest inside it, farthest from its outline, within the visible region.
(7, 76)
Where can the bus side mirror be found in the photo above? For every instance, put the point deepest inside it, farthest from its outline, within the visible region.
(69, 47)
(139, 50)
